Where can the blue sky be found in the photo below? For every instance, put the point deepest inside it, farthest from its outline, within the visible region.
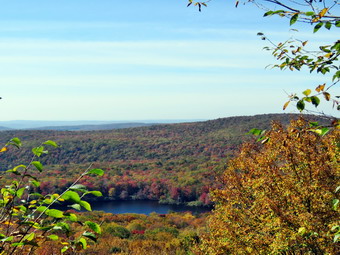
(138, 60)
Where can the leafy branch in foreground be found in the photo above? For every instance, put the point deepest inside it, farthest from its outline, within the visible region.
(29, 220)
(294, 54)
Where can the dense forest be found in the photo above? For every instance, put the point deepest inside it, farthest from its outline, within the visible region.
(173, 233)
(171, 163)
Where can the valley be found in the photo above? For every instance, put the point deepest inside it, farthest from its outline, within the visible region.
(170, 163)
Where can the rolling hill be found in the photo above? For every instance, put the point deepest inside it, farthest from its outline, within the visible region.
(169, 162)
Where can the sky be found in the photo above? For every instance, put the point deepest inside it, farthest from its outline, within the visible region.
(142, 60)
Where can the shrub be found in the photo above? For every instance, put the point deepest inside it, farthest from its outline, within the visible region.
(28, 219)
(118, 231)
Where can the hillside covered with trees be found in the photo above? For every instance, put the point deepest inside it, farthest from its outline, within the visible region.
(172, 163)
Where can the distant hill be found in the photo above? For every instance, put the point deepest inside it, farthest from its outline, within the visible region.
(94, 127)
(4, 128)
(82, 125)
(166, 141)
(168, 162)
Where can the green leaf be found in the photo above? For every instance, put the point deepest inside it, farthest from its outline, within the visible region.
(335, 204)
(335, 228)
(328, 25)
(18, 244)
(39, 150)
(255, 131)
(35, 183)
(52, 143)
(65, 248)
(94, 226)
(337, 189)
(324, 131)
(95, 193)
(313, 124)
(86, 205)
(72, 196)
(53, 237)
(75, 206)
(337, 23)
(7, 239)
(62, 226)
(29, 237)
(300, 105)
(37, 165)
(96, 171)
(269, 13)
(72, 216)
(36, 194)
(48, 201)
(31, 223)
(336, 237)
(13, 171)
(336, 75)
(294, 18)
(16, 142)
(31, 176)
(22, 208)
(41, 208)
(309, 13)
(20, 192)
(317, 27)
(90, 236)
(83, 243)
(315, 101)
(19, 166)
(55, 213)
(79, 187)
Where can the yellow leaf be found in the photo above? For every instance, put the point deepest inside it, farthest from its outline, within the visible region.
(323, 12)
(302, 231)
(328, 55)
(320, 87)
(3, 149)
(304, 43)
(315, 19)
(285, 105)
(307, 92)
(8, 223)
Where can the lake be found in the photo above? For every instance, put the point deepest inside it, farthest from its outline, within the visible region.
(143, 207)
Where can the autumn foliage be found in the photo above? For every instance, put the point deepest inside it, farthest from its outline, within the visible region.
(279, 197)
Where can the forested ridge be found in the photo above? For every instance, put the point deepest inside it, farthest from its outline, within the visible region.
(172, 163)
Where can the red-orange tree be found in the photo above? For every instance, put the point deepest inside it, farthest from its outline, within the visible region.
(279, 197)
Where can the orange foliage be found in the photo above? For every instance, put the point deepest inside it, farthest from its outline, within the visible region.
(277, 196)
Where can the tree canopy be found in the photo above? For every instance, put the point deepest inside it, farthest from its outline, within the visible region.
(280, 197)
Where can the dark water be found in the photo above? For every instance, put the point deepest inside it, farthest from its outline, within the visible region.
(143, 207)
